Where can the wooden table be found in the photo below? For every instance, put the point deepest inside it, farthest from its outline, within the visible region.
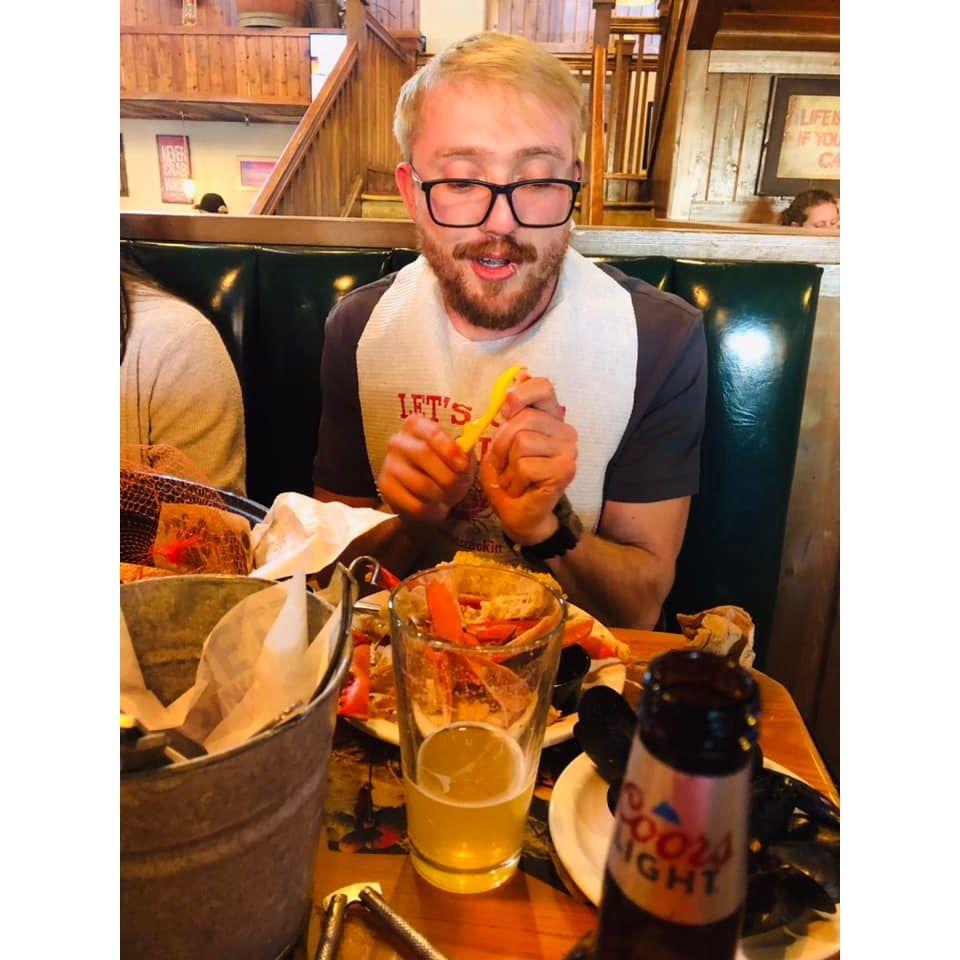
(526, 918)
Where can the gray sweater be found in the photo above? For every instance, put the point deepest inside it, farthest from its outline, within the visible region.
(178, 386)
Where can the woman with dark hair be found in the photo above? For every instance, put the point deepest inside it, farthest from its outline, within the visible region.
(178, 385)
(815, 209)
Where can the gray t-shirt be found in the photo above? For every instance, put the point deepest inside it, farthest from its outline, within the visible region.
(655, 448)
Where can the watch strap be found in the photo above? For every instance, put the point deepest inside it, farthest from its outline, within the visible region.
(564, 538)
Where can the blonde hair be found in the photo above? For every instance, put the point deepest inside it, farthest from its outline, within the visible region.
(491, 57)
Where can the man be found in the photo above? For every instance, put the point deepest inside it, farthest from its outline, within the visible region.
(589, 468)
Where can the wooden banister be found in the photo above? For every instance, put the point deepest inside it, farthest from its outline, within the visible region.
(347, 129)
(306, 132)
(378, 30)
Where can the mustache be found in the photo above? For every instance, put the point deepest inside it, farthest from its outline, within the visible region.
(502, 249)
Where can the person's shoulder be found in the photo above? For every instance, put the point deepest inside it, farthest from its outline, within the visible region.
(161, 317)
(354, 309)
(652, 306)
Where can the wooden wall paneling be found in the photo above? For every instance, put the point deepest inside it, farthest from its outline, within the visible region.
(127, 79)
(138, 60)
(240, 54)
(754, 123)
(806, 596)
(727, 140)
(280, 80)
(215, 60)
(190, 63)
(291, 60)
(153, 61)
(542, 24)
(204, 81)
(268, 77)
(165, 82)
(826, 718)
(517, 10)
(696, 124)
(254, 82)
(228, 69)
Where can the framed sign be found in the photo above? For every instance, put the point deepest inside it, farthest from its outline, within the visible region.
(124, 186)
(255, 171)
(803, 137)
(173, 153)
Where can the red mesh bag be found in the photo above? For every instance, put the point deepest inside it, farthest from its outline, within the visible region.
(171, 519)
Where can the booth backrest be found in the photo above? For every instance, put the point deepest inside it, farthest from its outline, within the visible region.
(270, 305)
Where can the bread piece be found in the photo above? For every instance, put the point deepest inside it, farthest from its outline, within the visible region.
(718, 630)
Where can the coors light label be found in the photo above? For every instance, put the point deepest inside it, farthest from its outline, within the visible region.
(679, 846)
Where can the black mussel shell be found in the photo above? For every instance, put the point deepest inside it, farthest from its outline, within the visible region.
(605, 730)
(772, 803)
(780, 896)
(819, 861)
(571, 671)
(613, 795)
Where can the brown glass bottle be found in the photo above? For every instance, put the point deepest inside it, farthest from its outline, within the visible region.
(675, 878)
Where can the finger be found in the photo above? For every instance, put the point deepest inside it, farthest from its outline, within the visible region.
(405, 504)
(547, 473)
(412, 477)
(443, 446)
(418, 452)
(536, 392)
(535, 421)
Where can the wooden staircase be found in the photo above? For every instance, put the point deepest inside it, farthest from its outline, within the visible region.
(346, 131)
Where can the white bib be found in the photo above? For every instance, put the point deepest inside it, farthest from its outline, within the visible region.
(410, 359)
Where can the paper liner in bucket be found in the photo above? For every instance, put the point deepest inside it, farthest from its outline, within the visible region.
(217, 853)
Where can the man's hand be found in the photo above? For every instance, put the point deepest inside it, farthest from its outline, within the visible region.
(424, 473)
(530, 463)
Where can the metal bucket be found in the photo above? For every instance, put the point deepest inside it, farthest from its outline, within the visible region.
(217, 853)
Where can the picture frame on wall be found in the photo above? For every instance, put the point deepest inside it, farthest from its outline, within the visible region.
(173, 155)
(124, 186)
(802, 144)
(255, 171)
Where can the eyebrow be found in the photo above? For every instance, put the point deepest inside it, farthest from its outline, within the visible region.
(524, 154)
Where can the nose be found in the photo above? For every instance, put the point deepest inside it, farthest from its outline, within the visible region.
(500, 219)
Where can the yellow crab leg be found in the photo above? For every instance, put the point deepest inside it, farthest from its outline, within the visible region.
(472, 431)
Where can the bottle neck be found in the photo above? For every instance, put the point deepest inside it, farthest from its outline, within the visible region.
(699, 713)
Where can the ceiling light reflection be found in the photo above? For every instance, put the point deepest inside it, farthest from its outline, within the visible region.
(752, 346)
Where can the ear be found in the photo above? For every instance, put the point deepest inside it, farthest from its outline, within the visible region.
(407, 187)
(577, 170)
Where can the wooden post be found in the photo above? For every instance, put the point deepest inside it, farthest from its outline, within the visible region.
(592, 212)
(354, 21)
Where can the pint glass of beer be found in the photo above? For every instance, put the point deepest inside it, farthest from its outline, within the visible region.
(475, 651)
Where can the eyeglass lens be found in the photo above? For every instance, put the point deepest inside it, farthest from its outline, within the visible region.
(534, 204)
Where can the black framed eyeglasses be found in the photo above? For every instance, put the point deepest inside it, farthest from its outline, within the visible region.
(544, 202)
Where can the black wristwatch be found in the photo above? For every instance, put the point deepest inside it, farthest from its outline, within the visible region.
(564, 538)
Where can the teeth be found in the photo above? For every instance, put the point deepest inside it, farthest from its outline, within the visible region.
(491, 262)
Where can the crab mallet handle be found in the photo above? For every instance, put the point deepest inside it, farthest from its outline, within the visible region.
(332, 928)
(412, 938)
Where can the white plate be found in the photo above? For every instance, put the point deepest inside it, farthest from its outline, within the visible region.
(581, 826)
(608, 673)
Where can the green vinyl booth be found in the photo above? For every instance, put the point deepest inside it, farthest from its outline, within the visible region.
(270, 305)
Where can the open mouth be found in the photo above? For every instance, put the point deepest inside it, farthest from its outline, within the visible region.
(494, 268)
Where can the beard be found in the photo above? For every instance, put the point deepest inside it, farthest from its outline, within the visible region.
(489, 309)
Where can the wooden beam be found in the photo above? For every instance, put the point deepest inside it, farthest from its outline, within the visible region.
(706, 22)
(593, 206)
(158, 28)
(775, 61)
(664, 238)
(231, 109)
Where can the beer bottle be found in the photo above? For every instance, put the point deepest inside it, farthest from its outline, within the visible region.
(676, 872)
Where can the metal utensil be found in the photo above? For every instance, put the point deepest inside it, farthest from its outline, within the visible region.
(368, 895)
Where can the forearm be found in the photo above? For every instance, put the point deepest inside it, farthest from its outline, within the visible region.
(622, 585)
(395, 543)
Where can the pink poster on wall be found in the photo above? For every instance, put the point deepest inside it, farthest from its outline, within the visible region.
(173, 152)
